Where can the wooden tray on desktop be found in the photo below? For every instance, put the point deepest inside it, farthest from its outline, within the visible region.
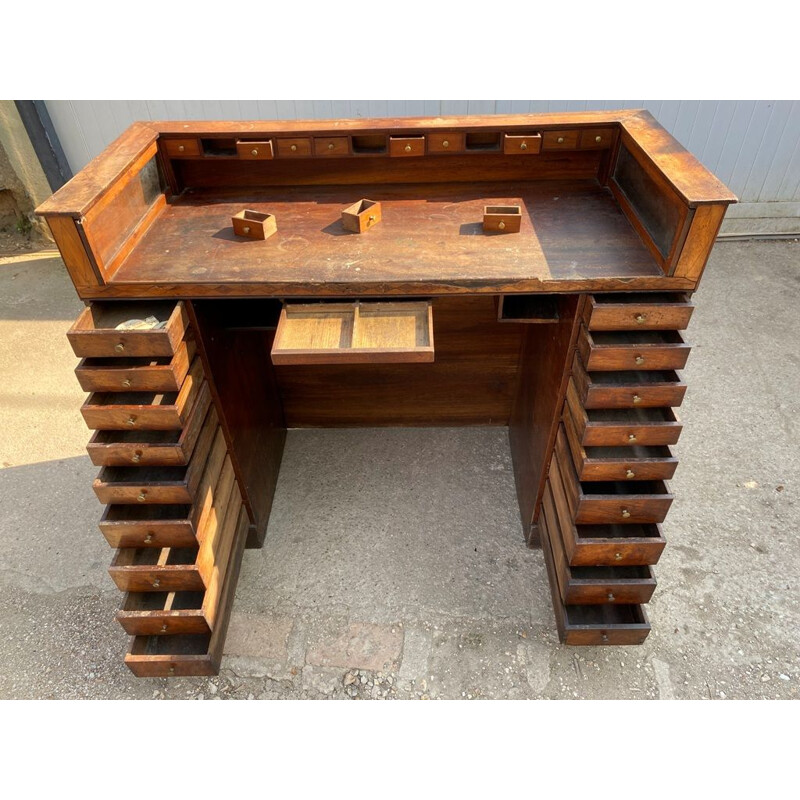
(354, 333)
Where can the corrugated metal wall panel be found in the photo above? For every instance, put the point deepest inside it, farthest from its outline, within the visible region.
(753, 146)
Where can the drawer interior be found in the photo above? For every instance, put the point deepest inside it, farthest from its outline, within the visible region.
(631, 416)
(121, 512)
(354, 332)
(154, 556)
(605, 614)
(182, 644)
(137, 437)
(640, 298)
(163, 601)
(528, 308)
(635, 452)
(634, 338)
(132, 399)
(142, 476)
(106, 316)
(615, 531)
(126, 363)
(634, 378)
(623, 488)
(611, 574)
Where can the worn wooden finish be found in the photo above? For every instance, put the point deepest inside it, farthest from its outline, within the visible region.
(83, 270)
(627, 389)
(94, 333)
(146, 448)
(244, 386)
(632, 350)
(191, 655)
(148, 526)
(601, 545)
(705, 226)
(541, 383)
(638, 312)
(354, 333)
(160, 374)
(144, 410)
(150, 569)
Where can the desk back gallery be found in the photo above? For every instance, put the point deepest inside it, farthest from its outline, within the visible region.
(530, 271)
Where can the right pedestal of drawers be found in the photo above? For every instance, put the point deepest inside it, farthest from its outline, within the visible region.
(606, 491)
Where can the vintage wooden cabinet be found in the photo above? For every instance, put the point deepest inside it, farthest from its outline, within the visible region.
(530, 271)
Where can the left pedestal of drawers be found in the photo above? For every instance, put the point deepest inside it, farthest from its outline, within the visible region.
(174, 509)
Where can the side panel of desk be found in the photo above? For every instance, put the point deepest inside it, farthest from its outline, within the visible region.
(245, 391)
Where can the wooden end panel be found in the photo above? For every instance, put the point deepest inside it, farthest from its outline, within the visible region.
(699, 241)
(82, 269)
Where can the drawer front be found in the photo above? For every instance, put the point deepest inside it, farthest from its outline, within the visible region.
(94, 334)
(255, 151)
(596, 624)
(622, 427)
(406, 146)
(559, 140)
(445, 142)
(156, 526)
(182, 148)
(628, 463)
(154, 578)
(637, 312)
(595, 584)
(133, 375)
(102, 415)
(515, 145)
(140, 448)
(138, 618)
(596, 138)
(608, 503)
(632, 350)
(627, 389)
(294, 148)
(331, 146)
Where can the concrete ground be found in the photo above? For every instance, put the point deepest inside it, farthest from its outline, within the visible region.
(395, 564)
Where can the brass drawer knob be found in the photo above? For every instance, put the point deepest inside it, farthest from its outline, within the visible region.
(181, 148)
(408, 148)
(142, 496)
(629, 473)
(254, 152)
(501, 225)
(127, 383)
(119, 347)
(639, 360)
(611, 597)
(637, 399)
(640, 318)
(293, 148)
(523, 146)
(598, 139)
(618, 556)
(164, 628)
(445, 143)
(246, 229)
(136, 457)
(148, 538)
(331, 145)
(631, 437)
(560, 140)
(156, 583)
(625, 513)
(604, 637)
(130, 421)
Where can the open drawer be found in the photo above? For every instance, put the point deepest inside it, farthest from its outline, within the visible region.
(145, 448)
(354, 333)
(95, 333)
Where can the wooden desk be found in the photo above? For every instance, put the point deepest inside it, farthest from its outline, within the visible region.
(567, 331)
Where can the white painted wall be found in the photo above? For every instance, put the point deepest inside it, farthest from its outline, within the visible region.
(751, 145)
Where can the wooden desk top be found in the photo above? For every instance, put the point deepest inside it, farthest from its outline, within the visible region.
(588, 224)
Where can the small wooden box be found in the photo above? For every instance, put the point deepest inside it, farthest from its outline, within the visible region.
(361, 216)
(406, 146)
(502, 219)
(254, 224)
(255, 151)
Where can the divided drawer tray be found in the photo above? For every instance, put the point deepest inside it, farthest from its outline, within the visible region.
(354, 333)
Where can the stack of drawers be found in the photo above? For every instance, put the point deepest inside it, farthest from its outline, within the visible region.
(606, 492)
(174, 510)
